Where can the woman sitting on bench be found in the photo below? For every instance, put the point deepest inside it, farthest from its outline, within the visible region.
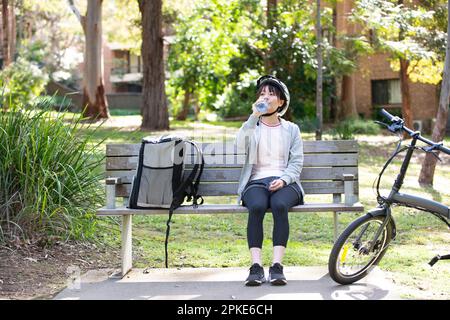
(270, 176)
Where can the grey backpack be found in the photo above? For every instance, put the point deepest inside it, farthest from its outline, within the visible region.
(161, 181)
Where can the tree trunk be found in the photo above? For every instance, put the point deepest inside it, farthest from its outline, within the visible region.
(429, 164)
(347, 105)
(333, 103)
(334, 106)
(8, 26)
(12, 30)
(271, 13)
(6, 32)
(319, 82)
(196, 110)
(155, 115)
(406, 97)
(182, 115)
(348, 98)
(94, 105)
(271, 18)
(94, 97)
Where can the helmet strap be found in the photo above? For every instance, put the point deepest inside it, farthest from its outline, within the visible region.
(269, 114)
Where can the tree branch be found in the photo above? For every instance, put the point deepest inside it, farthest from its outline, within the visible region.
(77, 13)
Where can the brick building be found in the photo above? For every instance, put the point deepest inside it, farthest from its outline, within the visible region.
(123, 69)
(375, 83)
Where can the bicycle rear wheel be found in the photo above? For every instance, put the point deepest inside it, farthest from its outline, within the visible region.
(351, 258)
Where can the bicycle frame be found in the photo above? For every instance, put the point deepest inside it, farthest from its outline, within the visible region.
(411, 200)
(396, 197)
(370, 235)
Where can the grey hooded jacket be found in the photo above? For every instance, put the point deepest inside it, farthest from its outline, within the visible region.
(247, 142)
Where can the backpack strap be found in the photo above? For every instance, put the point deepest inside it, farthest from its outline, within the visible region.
(181, 191)
(166, 242)
(194, 186)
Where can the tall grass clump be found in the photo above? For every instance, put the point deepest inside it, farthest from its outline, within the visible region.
(49, 177)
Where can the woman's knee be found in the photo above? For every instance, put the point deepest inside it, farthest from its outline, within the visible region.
(258, 208)
(278, 205)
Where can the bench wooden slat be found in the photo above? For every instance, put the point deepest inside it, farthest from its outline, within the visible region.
(227, 189)
(233, 174)
(133, 149)
(310, 160)
(217, 208)
(230, 148)
(334, 146)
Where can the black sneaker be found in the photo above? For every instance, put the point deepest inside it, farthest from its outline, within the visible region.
(276, 276)
(256, 276)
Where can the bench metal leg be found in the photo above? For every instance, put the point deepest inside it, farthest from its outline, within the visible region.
(127, 252)
(349, 183)
(337, 198)
(336, 225)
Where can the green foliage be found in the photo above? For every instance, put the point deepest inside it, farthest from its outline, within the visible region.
(222, 47)
(346, 129)
(34, 52)
(307, 124)
(199, 60)
(22, 81)
(49, 177)
(55, 102)
(237, 98)
(414, 33)
(52, 33)
(122, 24)
(290, 46)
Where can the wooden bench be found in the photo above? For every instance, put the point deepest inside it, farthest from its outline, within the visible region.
(330, 167)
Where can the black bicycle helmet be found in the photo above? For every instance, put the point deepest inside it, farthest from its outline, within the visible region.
(268, 79)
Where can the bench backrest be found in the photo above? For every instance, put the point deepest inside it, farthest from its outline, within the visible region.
(325, 163)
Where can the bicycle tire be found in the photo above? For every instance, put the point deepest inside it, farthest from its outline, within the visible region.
(333, 266)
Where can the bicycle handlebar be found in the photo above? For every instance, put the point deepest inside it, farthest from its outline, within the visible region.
(399, 122)
(389, 116)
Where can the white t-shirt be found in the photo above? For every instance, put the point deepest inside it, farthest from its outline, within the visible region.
(270, 161)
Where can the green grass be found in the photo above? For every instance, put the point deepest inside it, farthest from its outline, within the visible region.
(124, 112)
(220, 240)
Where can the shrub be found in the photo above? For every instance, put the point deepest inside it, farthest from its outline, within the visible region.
(49, 177)
(346, 129)
(236, 100)
(22, 81)
(307, 124)
(58, 103)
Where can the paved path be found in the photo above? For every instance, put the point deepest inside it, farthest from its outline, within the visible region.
(305, 283)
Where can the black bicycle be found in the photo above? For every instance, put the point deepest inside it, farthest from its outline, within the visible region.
(364, 242)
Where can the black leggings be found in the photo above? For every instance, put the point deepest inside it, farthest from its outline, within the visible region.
(258, 199)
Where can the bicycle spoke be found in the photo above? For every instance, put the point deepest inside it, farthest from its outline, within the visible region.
(355, 256)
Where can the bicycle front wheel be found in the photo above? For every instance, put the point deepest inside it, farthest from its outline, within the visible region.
(353, 255)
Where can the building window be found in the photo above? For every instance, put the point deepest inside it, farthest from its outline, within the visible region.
(386, 92)
(133, 87)
(135, 63)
